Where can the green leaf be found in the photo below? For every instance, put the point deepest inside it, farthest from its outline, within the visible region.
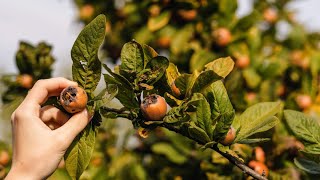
(204, 79)
(228, 7)
(182, 82)
(170, 152)
(222, 111)
(125, 94)
(132, 59)
(198, 134)
(312, 152)
(221, 66)
(200, 58)
(79, 153)
(86, 67)
(202, 116)
(257, 118)
(171, 100)
(118, 78)
(25, 57)
(312, 148)
(251, 141)
(158, 66)
(251, 77)
(180, 41)
(158, 22)
(177, 114)
(148, 53)
(302, 126)
(191, 80)
(208, 145)
(106, 95)
(307, 165)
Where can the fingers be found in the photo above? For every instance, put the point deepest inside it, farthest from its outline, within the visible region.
(44, 89)
(73, 127)
(52, 125)
(53, 114)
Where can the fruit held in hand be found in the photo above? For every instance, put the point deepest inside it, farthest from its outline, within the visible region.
(73, 99)
(154, 107)
(231, 135)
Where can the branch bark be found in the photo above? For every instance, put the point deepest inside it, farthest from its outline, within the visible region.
(232, 159)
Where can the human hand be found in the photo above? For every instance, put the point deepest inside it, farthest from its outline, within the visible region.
(41, 136)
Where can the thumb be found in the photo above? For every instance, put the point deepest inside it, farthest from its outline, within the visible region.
(73, 126)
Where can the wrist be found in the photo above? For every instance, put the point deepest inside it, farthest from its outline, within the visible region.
(18, 173)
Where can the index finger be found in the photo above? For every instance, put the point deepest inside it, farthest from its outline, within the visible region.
(45, 88)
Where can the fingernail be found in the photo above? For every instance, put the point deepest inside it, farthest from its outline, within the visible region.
(89, 114)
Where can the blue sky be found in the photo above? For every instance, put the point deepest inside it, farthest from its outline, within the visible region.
(55, 22)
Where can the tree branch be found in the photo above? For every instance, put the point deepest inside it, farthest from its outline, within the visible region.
(232, 159)
(240, 164)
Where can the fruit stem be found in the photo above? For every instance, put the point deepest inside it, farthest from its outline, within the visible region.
(232, 159)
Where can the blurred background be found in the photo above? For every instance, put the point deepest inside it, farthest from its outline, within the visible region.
(275, 46)
(56, 23)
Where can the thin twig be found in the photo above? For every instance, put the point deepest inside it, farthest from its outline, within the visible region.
(120, 111)
(232, 159)
(240, 164)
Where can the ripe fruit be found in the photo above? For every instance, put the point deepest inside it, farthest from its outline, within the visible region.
(175, 90)
(259, 167)
(250, 97)
(4, 158)
(222, 36)
(73, 99)
(25, 81)
(304, 101)
(86, 12)
(270, 15)
(164, 41)
(281, 90)
(231, 135)
(242, 62)
(298, 58)
(108, 27)
(154, 107)
(188, 15)
(259, 154)
(97, 161)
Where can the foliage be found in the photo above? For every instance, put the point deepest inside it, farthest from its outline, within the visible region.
(269, 65)
(306, 129)
(243, 81)
(203, 113)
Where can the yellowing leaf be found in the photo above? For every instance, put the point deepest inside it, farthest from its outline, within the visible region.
(158, 22)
